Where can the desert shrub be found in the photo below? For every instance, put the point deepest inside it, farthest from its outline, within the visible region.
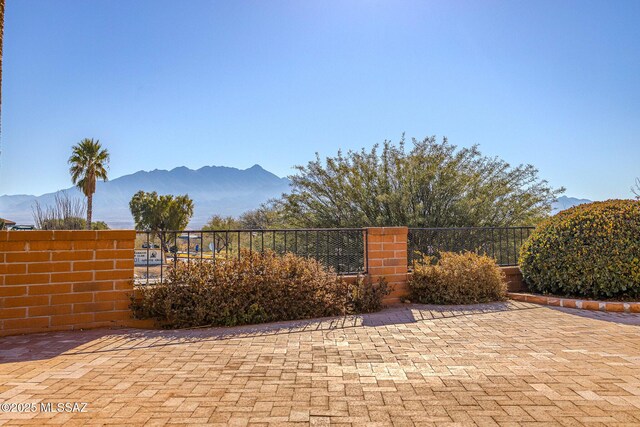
(457, 278)
(257, 288)
(366, 297)
(591, 250)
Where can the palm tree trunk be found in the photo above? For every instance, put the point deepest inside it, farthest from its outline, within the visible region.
(89, 210)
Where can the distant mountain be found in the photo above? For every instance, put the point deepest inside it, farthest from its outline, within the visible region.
(565, 202)
(214, 190)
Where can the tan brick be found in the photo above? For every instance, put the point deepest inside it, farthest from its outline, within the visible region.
(92, 286)
(26, 279)
(617, 307)
(72, 255)
(93, 307)
(33, 324)
(71, 298)
(49, 267)
(12, 291)
(112, 316)
(60, 288)
(13, 313)
(12, 246)
(125, 244)
(92, 265)
(115, 254)
(50, 310)
(124, 264)
(28, 256)
(111, 296)
(72, 319)
(74, 235)
(78, 276)
(25, 301)
(591, 305)
(114, 274)
(13, 268)
(50, 245)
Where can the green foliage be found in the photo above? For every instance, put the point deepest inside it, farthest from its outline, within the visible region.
(457, 278)
(262, 218)
(257, 288)
(217, 222)
(71, 223)
(99, 225)
(432, 185)
(3, 225)
(222, 241)
(88, 163)
(152, 212)
(590, 250)
(159, 214)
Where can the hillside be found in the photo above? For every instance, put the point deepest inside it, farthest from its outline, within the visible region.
(214, 190)
(565, 202)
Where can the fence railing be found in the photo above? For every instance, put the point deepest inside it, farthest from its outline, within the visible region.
(341, 249)
(501, 243)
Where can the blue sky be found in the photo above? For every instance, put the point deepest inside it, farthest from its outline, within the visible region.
(164, 83)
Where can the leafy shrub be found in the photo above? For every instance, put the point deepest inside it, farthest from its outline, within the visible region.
(457, 278)
(591, 250)
(257, 288)
(366, 297)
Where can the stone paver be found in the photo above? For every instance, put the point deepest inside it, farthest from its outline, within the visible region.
(496, 364)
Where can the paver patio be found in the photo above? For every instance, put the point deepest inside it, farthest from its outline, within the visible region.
(506, 364)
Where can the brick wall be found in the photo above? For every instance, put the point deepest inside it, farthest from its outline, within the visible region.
(386, 254)
(57, 280)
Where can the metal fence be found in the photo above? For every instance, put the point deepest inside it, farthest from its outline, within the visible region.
(501, 243)
(341, 249)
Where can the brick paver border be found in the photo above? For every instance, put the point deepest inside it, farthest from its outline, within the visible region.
(608, 306)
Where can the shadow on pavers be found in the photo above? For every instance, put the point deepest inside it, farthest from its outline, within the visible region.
(623, 318)
(24, 348)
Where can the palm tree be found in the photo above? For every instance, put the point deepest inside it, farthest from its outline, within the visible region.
(89, 162)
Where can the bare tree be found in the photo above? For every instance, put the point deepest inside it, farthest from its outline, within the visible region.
(65, 214)
(636, 189)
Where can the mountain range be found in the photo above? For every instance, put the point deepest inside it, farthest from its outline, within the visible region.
(565, 202)
(214, 190)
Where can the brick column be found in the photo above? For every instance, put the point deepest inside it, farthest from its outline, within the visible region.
(386, 254)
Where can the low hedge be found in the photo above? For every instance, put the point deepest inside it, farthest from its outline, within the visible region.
(457, 278)
(590, 250)
(257, 288)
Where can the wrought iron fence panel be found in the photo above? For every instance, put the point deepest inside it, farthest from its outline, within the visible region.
(501, 243)
(340, 249)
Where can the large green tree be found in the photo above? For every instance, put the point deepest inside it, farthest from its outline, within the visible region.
(262, 218)
(222, 240)
(159, 214)
(432, 184)
(88, 163)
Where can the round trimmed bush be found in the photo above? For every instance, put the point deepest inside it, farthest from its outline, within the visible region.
(457, 278)
(590, 250)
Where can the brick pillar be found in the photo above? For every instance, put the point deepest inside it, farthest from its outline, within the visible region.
(386, 254)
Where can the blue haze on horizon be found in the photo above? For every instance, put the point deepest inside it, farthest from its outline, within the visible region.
(165, 84)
